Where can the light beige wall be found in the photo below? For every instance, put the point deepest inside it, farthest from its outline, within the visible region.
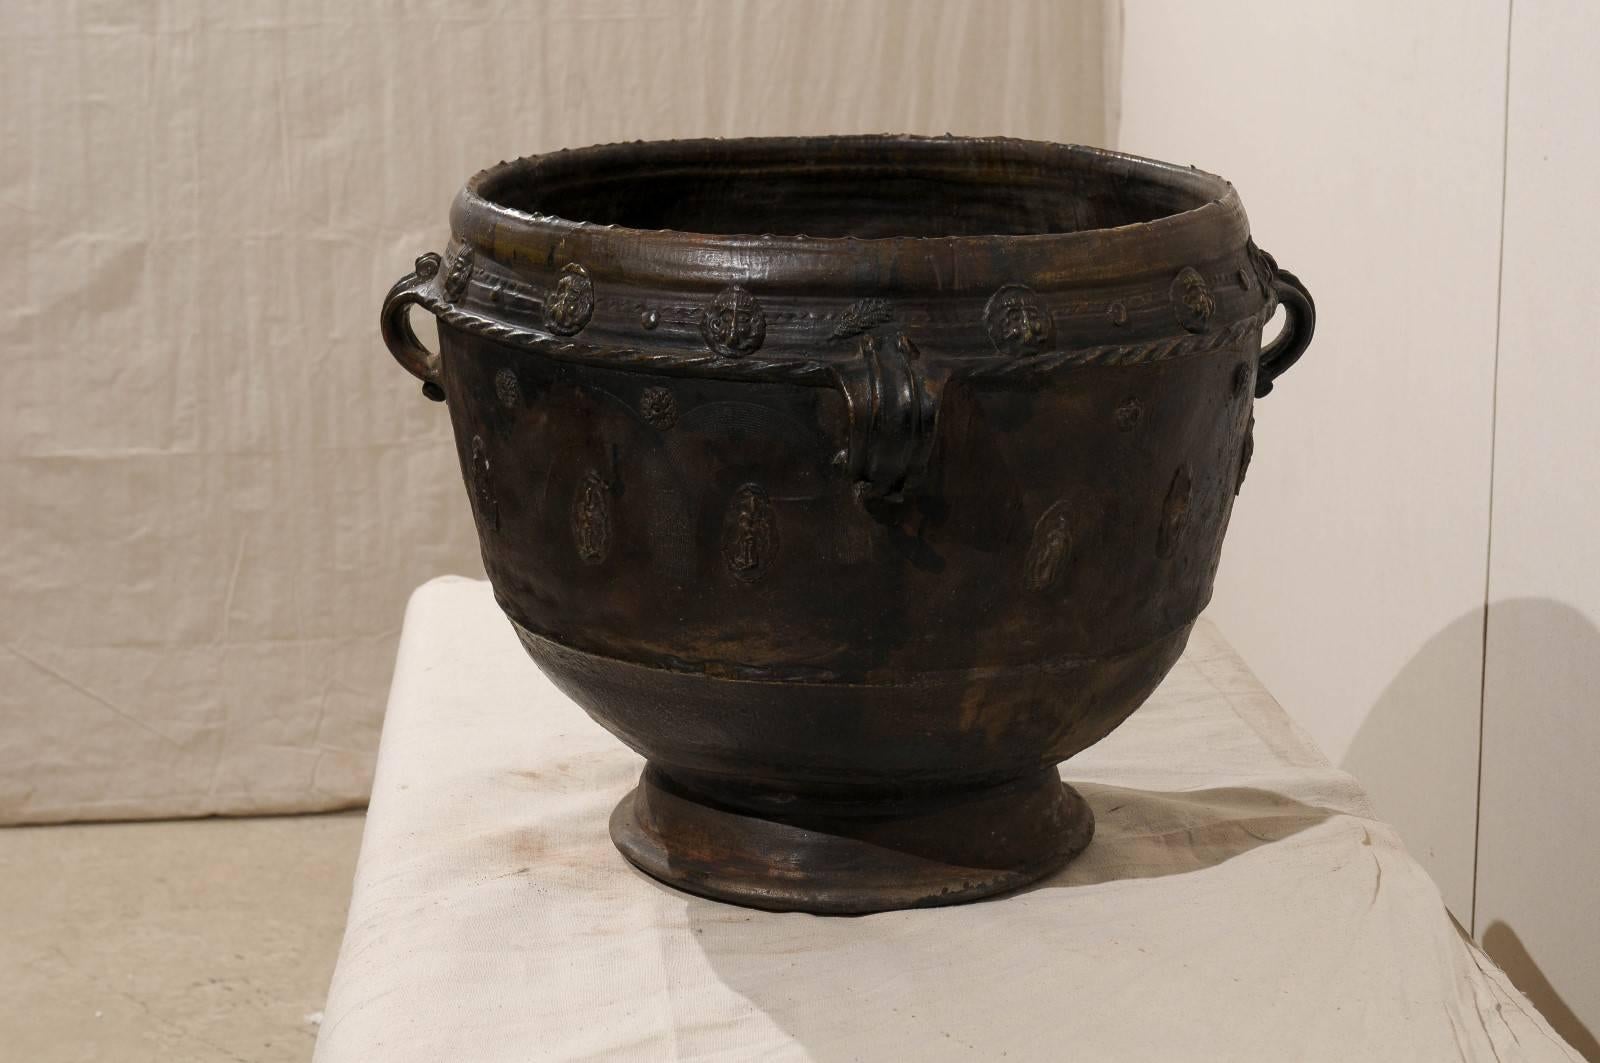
(1449, 390)
(1539, 840)
(217, 488)
(1365, 140)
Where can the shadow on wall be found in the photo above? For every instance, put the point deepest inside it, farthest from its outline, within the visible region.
(1506, 949)
(1543, 685)
(887, 972)
(1540, 814)
(1416, 755)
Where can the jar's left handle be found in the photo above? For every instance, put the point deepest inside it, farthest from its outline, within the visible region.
(417, 360)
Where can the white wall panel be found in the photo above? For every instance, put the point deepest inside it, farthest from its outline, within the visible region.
(1539, 843)
(1366, 141)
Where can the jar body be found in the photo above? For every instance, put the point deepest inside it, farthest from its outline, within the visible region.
(1013, 606)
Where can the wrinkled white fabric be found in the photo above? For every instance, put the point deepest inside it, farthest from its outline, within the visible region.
(1238, 902)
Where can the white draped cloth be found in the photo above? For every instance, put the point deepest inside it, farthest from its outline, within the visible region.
(1239, 902)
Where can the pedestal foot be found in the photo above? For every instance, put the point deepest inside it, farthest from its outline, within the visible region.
(851, 858)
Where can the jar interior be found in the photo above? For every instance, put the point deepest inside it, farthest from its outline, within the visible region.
(848, 187)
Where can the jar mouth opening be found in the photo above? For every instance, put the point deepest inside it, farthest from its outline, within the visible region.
(847, 188)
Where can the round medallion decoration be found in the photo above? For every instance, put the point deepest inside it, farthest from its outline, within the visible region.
(1017, 322)
(733, 323)
(658, 408)
(1192, 301)
(569, 305)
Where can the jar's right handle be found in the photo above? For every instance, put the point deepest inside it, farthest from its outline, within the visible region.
(1300, 321)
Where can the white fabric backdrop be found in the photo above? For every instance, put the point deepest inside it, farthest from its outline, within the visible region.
(217, 487)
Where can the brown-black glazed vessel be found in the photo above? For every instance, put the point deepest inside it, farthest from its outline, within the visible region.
(853, 481)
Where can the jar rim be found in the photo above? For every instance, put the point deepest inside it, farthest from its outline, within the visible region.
(1168, 215)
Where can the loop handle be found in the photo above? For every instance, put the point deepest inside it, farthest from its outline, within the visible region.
(1300, 321)
(412, 289)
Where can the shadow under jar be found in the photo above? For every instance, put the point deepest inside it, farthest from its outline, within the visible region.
(855, 482)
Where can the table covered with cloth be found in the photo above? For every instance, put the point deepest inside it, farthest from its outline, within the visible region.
(1239, 902)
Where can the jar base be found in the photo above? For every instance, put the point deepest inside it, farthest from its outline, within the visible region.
(850, 859)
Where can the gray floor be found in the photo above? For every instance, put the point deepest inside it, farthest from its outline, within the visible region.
(180, 940)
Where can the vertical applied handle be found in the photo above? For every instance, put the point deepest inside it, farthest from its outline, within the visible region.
(894, 408)
(413, 289)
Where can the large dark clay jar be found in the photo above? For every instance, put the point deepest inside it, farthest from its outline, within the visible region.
(853, 481)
